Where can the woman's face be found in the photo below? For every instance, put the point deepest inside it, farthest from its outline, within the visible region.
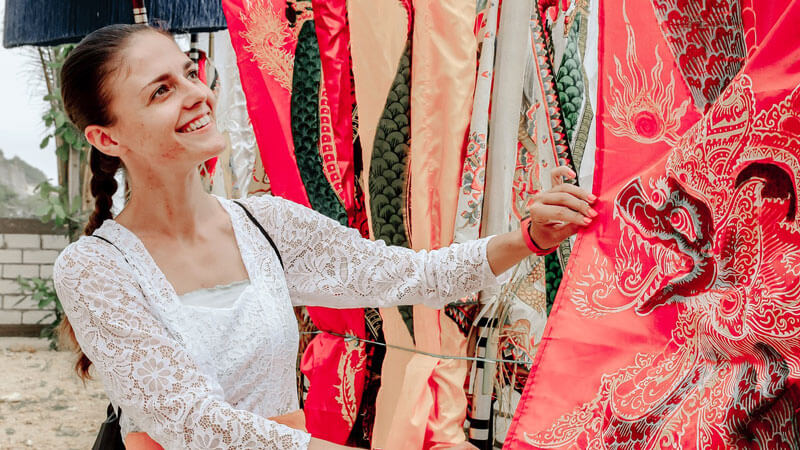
(163, 114)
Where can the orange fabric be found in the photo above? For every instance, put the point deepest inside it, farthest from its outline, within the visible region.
(432, 405)
(141, 441)
(393, 373)
(443, 61)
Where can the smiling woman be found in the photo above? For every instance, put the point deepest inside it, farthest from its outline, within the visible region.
(182, 302)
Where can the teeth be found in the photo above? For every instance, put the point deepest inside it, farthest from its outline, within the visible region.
(199, 123)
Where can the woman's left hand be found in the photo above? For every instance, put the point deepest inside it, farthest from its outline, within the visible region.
(560, 212)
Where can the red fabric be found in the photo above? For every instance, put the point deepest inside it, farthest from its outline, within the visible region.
(335, 369)
(677, 323)
(202, 73)
(261, 37)
(333, 35)
(265, 44)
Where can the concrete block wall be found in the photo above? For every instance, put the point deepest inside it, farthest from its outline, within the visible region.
(28, 249)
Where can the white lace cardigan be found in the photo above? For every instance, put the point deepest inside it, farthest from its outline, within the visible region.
(195, 377)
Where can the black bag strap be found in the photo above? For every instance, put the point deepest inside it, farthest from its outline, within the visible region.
(112, 244)
(262, 230)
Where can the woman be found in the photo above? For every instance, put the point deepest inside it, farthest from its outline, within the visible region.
(180, 301)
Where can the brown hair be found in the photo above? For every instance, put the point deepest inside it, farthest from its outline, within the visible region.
(86, 100)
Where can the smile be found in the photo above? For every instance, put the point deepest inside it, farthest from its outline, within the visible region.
(196, 124)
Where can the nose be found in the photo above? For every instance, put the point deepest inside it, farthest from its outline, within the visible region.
(196, 93)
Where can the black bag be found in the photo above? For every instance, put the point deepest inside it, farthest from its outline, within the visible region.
(110, 436)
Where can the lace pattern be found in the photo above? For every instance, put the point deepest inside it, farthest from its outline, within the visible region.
(196, 377)
(331, 265)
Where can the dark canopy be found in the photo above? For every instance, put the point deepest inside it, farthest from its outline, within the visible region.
(51, 22)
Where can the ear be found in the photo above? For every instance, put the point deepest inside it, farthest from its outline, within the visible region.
(100, 137)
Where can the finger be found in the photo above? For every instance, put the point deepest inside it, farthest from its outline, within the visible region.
(576, 191)
(570, 201)
(558, 174)
(543, 213)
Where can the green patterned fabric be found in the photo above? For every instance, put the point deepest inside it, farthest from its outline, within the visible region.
(572, 88)
(305, 126)
(389, 166)
(569, 81)
(553, 275)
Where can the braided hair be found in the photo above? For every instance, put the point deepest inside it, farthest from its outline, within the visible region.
(86, 100)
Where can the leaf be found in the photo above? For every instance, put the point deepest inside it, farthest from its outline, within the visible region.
(62, 151)
(69, 136)
(58, 210)
(44, 142)
(60, 119)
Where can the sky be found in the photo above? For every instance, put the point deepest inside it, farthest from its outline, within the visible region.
(21, 108)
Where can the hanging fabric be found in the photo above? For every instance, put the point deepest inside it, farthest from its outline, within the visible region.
(676, 327)
(502, 149)
(265, 42)
(278, 53)
(232, 118)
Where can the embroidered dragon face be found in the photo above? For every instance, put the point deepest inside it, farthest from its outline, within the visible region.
(720, 232)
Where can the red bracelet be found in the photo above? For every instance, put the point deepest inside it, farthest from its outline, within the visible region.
(525, 227)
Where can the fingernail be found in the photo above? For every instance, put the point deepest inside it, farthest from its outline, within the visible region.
(572, 174)
(592, 197)
(592, 212)
(587, 220)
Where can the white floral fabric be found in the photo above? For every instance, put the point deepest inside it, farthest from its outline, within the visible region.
(196, 377)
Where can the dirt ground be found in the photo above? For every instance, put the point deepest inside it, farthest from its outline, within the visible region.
(43, 404)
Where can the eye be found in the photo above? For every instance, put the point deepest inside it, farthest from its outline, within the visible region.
(163, 89)
(193, 74)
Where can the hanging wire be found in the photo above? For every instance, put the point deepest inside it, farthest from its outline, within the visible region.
(351, 338)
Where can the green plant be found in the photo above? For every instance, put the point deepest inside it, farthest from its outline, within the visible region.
(60, 205)
(43, 293)
(57, 208)
(64, 132)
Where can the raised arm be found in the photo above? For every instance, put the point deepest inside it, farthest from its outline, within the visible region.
(333, 266)
(145, 371)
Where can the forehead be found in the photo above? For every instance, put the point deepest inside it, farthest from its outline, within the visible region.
(148, 56)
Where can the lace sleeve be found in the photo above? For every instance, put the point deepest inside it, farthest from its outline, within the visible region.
(333, 266)
(144, 370)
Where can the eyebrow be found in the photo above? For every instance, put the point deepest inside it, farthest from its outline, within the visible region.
(166, 76)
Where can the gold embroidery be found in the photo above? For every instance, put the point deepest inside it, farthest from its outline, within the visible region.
(351, 363)
(327, 144)
(271, 40)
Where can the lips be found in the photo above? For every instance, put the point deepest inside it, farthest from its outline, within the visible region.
(196, 124)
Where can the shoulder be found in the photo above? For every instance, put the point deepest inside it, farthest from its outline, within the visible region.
(270, 209)
(86, 257)
(267, 201)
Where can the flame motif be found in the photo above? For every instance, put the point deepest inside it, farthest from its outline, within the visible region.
(643, 110)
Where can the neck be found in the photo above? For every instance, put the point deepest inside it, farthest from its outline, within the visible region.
(173, 204)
